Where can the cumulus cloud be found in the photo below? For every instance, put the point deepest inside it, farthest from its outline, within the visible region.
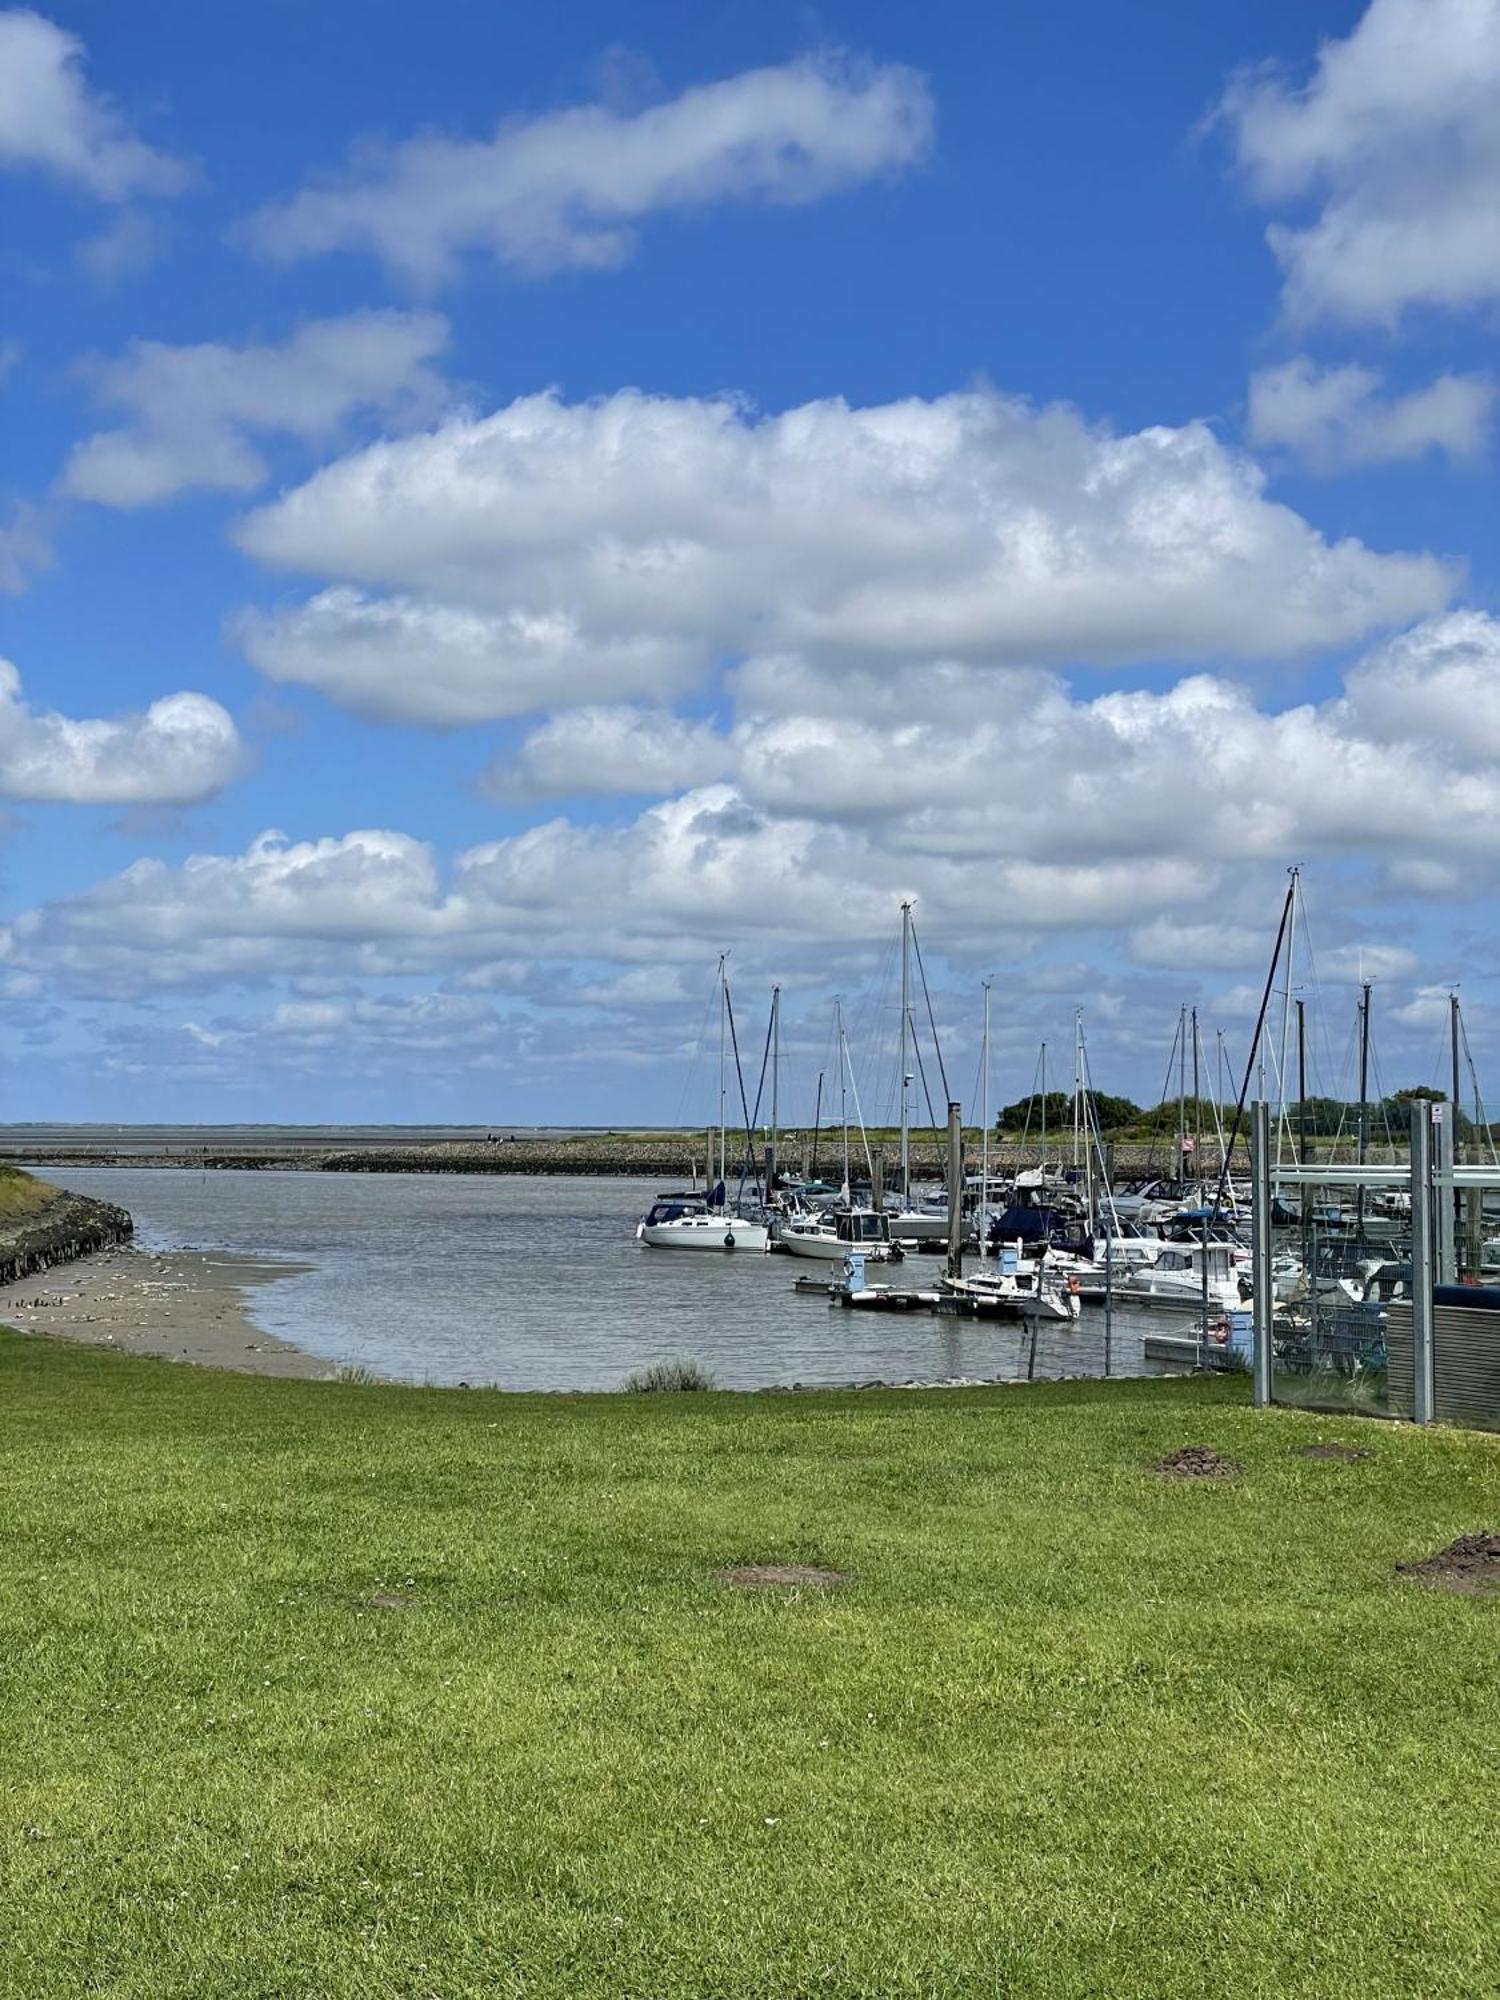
(194, 410)
(1195, 946)
(569, 189)
(51, 121)
(181, 750)
(407, 660)
(604, 750)
(1396, 136)
(1008, 806)
(1337, 418)
(1406, 757)
(1356, 962)
(972, 527)
(1438, 686)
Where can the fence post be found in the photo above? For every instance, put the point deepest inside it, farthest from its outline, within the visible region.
(1260, 1242)
(1421, 1262)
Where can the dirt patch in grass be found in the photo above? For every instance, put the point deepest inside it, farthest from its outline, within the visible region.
(1470, 1565)
(1337, 1454)
(782, 1576)
(1196, 1461)
(390, 1600)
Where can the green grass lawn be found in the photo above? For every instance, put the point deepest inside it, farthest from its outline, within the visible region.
(1072, 1729)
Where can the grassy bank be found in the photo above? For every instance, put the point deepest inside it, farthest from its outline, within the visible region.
(22, 1195)
(1072, 1728)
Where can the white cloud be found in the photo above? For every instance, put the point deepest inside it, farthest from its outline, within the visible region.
(1397, 135)
(1408, 757)
(50, 119)
(972, 528)
(193, 410)
(1427, 1008)
(131, 243)
(1357, 962)
(181, 750)
(1336, 418)
(1437, 685)
(24, 546)
(1009, 807)
(1194, 946)
(569, 188)
(620, 750)
(405, 660)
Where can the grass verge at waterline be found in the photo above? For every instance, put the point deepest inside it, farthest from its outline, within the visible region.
(321, 1690)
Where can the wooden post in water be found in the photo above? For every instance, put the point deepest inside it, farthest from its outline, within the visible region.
(955, 1190)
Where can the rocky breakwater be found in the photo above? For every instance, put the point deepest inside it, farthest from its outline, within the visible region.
(58, 1228)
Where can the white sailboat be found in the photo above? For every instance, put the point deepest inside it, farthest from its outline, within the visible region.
(925, 1224)
(708, 1221)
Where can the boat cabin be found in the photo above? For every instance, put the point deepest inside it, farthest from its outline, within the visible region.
(673, 1207)
(860, 1226)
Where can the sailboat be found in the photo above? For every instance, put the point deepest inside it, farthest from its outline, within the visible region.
(707, 1221)
(831, 1232)
(926, 1225)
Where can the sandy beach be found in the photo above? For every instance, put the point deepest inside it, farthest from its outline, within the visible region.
(184, 1305)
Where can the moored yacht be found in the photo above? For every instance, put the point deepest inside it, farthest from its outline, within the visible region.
(834, 1234)
(1177, 1278)
(688, 1222)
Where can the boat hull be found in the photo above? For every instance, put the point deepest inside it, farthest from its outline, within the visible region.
(709, 1232)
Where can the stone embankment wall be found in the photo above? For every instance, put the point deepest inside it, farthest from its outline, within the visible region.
(73, 1225)
(672, 1157)
(664, 1156)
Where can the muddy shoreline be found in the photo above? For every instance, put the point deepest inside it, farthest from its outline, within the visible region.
(181, 1305)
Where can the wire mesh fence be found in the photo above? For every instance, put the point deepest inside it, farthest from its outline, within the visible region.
(1377, 1288)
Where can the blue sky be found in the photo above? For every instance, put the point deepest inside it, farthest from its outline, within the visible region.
(500, 506)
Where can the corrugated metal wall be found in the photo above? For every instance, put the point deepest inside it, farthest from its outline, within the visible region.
(1465, 1364)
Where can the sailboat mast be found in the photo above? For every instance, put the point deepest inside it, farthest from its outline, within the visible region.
(775, 1145)
(812, 1171)
(1077, 1081)
(1301, 1083)
(1453, 1036)
(1181, 1089)
(838, 1008)
(1044, 1104)
(905, 1057)
(984, 1105)
(1086, 1112)
(1286, 1011)
(1453, 1033)
(723, 1088)
(1364, 1094)
(1197, 1105)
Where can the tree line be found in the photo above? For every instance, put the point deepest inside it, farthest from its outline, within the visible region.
(1320, 1117)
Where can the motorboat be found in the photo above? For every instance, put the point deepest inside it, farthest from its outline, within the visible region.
(1185, 1274)
(832, 1235)
(1020, 1287)
(691, 1222)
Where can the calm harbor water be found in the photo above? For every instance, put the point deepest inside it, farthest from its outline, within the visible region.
(532, 1283)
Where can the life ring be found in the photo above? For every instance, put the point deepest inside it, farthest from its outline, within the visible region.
(1073, 1285)
(729, 1240)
